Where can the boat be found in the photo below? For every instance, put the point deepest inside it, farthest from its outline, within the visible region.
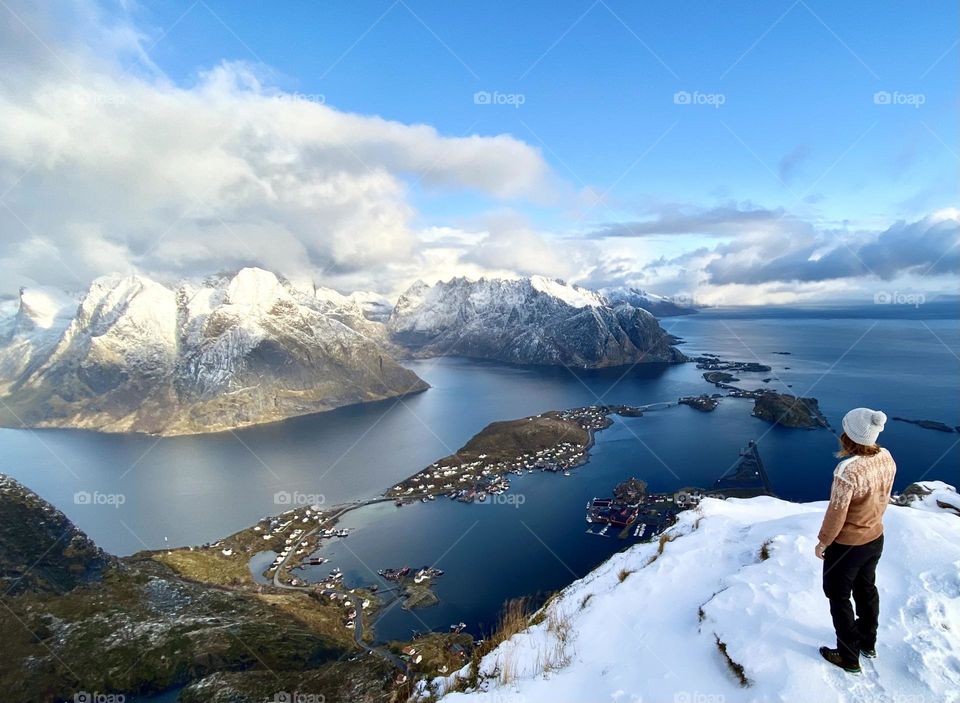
(566, 473)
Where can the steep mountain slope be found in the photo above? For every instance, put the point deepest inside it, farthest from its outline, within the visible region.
(237, 350)
(527, 321)
(40, 549)
(80, 625)
(657, 305)
(729, 607)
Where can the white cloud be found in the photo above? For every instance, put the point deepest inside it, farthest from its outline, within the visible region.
(106, 165)
(112, 170)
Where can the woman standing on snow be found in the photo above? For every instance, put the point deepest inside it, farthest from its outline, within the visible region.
(851, 537)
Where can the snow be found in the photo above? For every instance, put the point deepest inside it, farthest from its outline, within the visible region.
(653, 636)
(255, 288)
(130, 315)
(574, 296)
(939, 494)
(47, 308)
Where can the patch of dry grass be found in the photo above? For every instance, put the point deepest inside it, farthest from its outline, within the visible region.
(207, 566)
(735, 667)
(324, 619)
(665, 537)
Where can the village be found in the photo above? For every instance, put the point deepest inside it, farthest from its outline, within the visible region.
(633, 512)
(556, 442)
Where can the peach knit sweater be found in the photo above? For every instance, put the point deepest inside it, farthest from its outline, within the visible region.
(859, 496)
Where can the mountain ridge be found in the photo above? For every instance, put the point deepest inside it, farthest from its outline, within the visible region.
(534, 320)
(230, 352)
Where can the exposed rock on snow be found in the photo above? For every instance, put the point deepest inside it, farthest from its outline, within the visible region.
(528, 321)
(737, 592)
(932, 495)
(237, 350)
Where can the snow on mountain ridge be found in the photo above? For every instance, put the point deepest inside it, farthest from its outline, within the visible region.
(529, 321)
(657, 305)
(43, 308)
(256, 289)
(233, 351)
(738, 573)
(572, 295)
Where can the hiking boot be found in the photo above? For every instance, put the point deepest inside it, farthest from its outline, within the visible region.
(870, 653)
(834, 657)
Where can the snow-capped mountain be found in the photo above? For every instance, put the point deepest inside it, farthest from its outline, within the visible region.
(728, 606)
(657, 305)
(533, 320)
(237, 350)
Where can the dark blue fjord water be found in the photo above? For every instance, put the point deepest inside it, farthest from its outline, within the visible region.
(191, 490)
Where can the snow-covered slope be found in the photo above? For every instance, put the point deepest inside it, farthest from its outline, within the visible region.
(532, 320)
(237, 350)
(658, 305)
(29, 327)
(738, 586)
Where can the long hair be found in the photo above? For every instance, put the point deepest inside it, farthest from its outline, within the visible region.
(850, 448)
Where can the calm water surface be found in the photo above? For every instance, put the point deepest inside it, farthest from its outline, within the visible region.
(190, 490)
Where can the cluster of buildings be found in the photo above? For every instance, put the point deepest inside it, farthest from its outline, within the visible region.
(468, 481)
(298, 522)
(346, 601)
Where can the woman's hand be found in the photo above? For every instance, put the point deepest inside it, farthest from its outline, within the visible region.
(819, 549)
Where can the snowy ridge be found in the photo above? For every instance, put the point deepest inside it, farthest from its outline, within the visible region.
(237, 350)
(574, 296)
(526, 321)
(31, 326)
(657, 305)
(741, 574)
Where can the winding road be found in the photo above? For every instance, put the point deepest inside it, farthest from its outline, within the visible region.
(381, 652)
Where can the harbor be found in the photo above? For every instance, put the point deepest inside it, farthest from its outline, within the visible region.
(634, 513)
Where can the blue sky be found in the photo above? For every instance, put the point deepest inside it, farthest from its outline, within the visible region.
(598, 80)
(663, 144)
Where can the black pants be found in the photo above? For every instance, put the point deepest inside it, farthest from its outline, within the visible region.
(852, 570)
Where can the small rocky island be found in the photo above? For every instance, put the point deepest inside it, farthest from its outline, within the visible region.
(781, 409)
(928, 424)
(788, 410)
(703, 402)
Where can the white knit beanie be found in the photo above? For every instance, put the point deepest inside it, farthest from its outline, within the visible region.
(864, 425)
